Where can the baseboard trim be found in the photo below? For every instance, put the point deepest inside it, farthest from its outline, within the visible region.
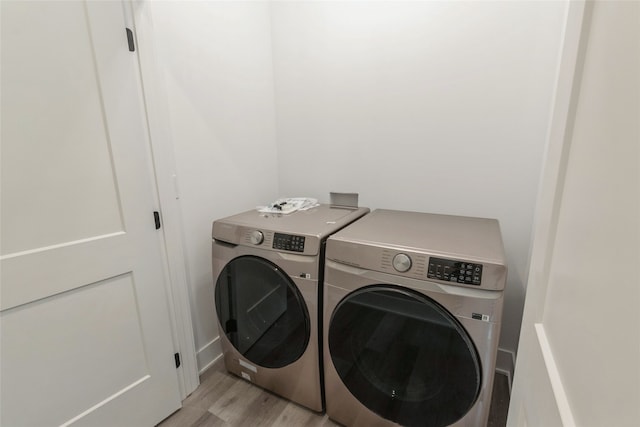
(208, 354)
(505, 364)
(555, 379)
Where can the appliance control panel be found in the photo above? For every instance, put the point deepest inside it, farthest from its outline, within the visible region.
(288, 242)
(449, 270)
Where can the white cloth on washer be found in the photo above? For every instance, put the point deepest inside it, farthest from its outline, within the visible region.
(289, 205)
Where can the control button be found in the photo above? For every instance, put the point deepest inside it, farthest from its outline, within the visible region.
(401, 262)
(256, 237)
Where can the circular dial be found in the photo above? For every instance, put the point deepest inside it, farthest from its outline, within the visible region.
(402, 262)
(256, 237)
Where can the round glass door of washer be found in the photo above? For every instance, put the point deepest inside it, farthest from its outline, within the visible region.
(262, 312)
(404, 356)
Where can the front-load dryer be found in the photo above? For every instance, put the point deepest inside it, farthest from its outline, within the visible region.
(268, 270)
(413, 306)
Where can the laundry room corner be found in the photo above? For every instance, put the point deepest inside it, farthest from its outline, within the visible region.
(422, 106)
(285, 213)
(295, 90)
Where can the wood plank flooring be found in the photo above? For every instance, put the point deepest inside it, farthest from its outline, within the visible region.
(224, 400)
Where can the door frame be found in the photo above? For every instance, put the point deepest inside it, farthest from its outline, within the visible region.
(167, 196)
(551, 187)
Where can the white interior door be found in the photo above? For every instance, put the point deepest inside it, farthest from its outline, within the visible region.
(579, 353)
(85, 332)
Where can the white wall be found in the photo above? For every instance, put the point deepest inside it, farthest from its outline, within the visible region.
(428, 106)
(216, 61)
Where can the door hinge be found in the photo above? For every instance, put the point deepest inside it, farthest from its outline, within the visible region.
(132, 47)
(177, 358)
(156, 218)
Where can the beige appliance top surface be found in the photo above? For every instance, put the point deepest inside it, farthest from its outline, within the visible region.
(447, 235)
(318, 222)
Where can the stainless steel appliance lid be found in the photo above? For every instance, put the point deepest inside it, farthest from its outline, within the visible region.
(454, 236)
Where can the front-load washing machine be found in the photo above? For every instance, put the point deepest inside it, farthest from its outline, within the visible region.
(268, 272)
(413, 306)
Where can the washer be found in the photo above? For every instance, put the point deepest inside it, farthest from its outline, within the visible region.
(413, 306)
(268, 272)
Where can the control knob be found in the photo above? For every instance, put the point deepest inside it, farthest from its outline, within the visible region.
(402, 262)
(256, 237)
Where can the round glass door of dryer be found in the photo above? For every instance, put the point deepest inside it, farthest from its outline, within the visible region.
(262, 312)
(404, 356)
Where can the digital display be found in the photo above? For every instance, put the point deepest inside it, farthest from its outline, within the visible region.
(288, 242)
(449, 270)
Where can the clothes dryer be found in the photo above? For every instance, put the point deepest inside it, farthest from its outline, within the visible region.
(413, 307)
(268, 270)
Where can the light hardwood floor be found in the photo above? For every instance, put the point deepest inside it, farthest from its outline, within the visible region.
(224, 400)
